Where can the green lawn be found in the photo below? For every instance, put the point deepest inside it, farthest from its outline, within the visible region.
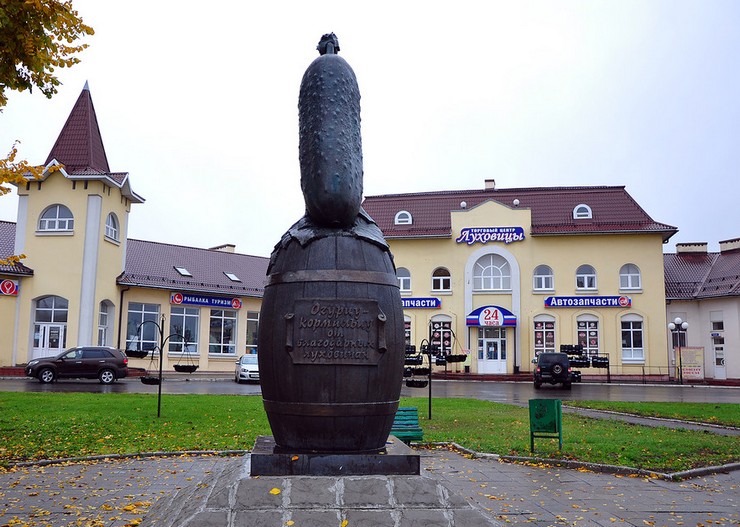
(36, 426)
(718, 414)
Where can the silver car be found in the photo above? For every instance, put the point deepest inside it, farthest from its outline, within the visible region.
(247, 368)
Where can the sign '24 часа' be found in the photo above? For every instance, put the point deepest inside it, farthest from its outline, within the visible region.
(471, 235)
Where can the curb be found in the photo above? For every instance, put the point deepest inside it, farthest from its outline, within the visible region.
(593, 467)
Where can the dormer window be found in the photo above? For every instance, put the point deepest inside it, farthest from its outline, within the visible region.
(403, 218)
(232, 277)
(183, 271)
(582, 212)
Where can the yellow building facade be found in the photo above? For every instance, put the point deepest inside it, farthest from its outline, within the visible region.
(83, 282)
(502, 275)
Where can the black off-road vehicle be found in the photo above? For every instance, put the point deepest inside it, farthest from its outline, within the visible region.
(553, 368)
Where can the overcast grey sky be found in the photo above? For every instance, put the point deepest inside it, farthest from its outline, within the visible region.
(198, 102)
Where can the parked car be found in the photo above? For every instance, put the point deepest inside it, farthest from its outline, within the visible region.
(88, 362)
(247, 368)
(553, 368)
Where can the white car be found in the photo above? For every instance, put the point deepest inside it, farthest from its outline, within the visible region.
(247, 368)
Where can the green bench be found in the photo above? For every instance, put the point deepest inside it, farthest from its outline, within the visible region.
(406, 425)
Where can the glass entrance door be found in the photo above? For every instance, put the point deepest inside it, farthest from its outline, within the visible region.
(492, 350)
(48, 339)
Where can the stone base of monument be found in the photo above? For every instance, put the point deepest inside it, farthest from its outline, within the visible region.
(394, 460)
(230, 497)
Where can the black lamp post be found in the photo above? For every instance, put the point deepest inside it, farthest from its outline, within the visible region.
(162, 341)
(677, 327)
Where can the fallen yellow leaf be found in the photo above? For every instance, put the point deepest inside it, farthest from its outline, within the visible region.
(275, 491)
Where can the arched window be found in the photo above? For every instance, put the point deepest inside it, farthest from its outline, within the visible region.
(441, 280)
(403, 218)
(404, 279)
(105, 322)
(50, 325)
(544, 334)
(632, 342)
(588, 333)
(491, 273)
(582, 212)
(111, 227)
(440, 334)
(629, 277)
(543, 278)
(56, 218)
(585, 277)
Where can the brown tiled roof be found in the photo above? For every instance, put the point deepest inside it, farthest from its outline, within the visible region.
(702, 275)
(80, 149)
(151, 264)
(7, 245)
(614, 211)
(79, 146)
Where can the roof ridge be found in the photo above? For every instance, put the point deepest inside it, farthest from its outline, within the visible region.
(493, 192)
(196, 248)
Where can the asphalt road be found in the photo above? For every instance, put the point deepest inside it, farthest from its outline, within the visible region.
(504, 392)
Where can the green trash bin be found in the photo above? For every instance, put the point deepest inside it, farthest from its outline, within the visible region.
(545, 420)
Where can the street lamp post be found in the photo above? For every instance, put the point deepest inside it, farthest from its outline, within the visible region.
(677, 327)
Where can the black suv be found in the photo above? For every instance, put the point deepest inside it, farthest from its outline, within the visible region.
(89, 362)
(553, 368)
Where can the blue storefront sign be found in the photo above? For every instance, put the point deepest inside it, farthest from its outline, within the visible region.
(421, 303)
(186, 299)
(471, 235)
(493, 316)
(588, 301)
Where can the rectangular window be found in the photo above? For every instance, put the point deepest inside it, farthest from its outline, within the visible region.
(222, 337)
(588, 336)
(632, 350)
(253, 318)
(586, 282)
(544, 337)
(407, 332)
(140, 333)
(718, 326)
(184, 322)
(441, 283)
(543, 282)
(404, 283)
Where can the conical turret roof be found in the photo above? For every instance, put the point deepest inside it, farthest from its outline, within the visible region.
(79, 146)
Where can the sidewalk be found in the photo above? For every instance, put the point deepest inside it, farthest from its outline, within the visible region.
(120, 493)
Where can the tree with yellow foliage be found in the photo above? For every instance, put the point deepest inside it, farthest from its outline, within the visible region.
(36, 36)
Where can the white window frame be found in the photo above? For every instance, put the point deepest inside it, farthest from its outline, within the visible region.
(142, 336)
(588, 324)
(586, 278)
(111, 227)
(492, 272)
(403, 217)
(179, 318)
(441, 280)
(219, 322)
(630, 277)
(582, 212)
(56, 218)
(635, 326)
(544, 324)
(404, 279)
(543, 279)
(253, 327)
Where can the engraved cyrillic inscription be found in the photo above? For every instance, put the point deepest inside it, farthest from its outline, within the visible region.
(335, 331)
